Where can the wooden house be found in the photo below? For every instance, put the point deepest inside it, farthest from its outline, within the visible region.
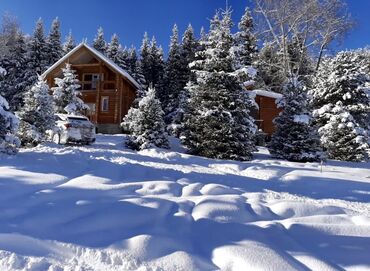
(267, 110)
(106, 88)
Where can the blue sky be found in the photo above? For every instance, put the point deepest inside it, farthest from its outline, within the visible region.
(129, 19)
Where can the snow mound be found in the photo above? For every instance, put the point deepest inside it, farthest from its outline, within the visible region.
(104, 207)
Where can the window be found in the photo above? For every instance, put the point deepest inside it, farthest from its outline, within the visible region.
(104, 104)
(91, 81)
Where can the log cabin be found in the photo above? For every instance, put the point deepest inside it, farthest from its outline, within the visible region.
(107, 89)
(267, 110)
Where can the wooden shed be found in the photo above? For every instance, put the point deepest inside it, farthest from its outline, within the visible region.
(267, 110)
(106, 88)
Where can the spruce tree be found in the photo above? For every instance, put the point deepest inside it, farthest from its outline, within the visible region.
(99, 41)
(54, 42)
(295, 138)
(157, 67)
(145, 124)
(69, 44)
(66, 94)
(217, 121)
(145, 60)
(341, 89)
(13, 86)
(173, 78)
(188, 49)
(246, 42)
(112, 50)
(8, 125)
(37, 114)
(134, 68)
(38, 54)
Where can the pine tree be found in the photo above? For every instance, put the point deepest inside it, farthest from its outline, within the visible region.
(134, 68)
(54, 42)
(146, 124)
(112, 50)
(295, 138)
(145, 60)
(123, 56)
(343, 138)
(15, 83)
(188, 49)
(99, 41)
(245, 50)
(37, 114)
(341, 86)
(246, 42)
(270, 75)
(8, 125)
(173, 78)
(38, 54)
(157, 67)
(66, 95)
(217, 121)
(69, 44)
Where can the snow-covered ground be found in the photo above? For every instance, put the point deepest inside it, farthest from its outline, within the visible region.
(104, 207)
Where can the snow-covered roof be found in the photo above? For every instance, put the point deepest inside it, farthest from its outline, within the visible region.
(99, 55)
(266, 93)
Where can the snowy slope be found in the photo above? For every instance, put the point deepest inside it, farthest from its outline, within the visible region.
(103, 207)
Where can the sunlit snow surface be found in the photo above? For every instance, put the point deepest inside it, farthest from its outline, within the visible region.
(104, 207)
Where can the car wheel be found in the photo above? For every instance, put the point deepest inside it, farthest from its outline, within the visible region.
(56, 138)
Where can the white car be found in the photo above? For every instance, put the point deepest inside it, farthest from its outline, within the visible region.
(73, 129)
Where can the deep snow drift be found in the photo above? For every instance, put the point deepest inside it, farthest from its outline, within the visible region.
(103, 207)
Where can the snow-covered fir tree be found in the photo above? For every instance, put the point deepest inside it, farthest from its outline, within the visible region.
(189, 47)
(145, 60)
(37, 114)
(342, 89)
(152, 64)
(145, 124)
(134, 68)
(343, 138)
(173, 78)
(245, 50)
(157, 67)
(66, 94)
(99, 42)
(8, 125)
(69, 43)
(217, 121)
(38, 54)
(270, 74)
(295, 139)
(115, 52)
(54, 42)
(245, 41)
(13, 86)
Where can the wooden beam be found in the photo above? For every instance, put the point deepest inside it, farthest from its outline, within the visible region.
(86, 65)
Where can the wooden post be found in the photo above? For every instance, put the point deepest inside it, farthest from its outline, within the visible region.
(120, 99)
(116, 106)
(100, 83)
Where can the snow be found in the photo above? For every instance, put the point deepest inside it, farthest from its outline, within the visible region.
(266, 93)
(302, 119)
(105, 207)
